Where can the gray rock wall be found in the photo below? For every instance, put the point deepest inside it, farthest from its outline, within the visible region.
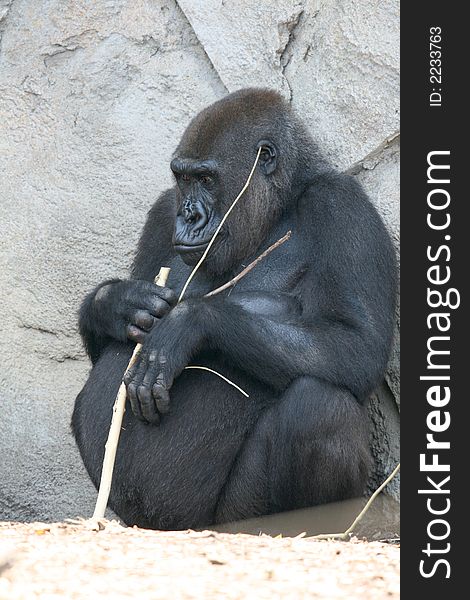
(93, 98)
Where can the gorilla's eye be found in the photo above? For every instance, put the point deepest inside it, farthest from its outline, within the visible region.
(185, 177)
(206, 179)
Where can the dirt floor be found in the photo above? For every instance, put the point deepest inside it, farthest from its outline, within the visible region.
(60, 561)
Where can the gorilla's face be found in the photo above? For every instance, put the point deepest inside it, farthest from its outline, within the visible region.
(206, 189)
(197, 215)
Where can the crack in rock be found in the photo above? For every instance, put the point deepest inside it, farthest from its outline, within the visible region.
(201, 45)
(32, 327)
(76, 41)
(286, 31)
(69, 45)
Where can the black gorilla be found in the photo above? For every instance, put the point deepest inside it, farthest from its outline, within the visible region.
(306, 333)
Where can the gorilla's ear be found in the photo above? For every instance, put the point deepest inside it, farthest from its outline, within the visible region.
(268, 157)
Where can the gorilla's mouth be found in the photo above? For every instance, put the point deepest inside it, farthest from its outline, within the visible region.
(188, 249)
(190, 253)
(185, 249)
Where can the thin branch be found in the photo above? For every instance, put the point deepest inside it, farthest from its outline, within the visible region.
(211, 243)
(220, 375)
(247, 269)
(110, 448)
(231, 283)
(350, 529)
(115, 430)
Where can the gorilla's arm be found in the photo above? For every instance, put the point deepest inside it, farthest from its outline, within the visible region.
(273, 336)
(93, 336)
(274, 350)
(279, 350)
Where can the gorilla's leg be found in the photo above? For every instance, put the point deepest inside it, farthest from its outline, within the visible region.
(311, 447)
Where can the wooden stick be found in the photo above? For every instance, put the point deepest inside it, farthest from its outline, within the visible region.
(115, 428)
(247, 269)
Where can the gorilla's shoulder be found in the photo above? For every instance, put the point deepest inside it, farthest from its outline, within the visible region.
(336, 207)
(333, 197)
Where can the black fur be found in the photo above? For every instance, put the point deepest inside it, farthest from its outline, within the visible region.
(307, 333)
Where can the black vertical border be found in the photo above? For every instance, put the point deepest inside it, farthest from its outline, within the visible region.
(426, 129)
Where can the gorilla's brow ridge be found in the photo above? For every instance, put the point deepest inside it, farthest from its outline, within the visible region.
(191, 165)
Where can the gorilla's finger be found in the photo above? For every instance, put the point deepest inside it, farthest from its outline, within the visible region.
(129, 374)
(155, 305)
(162, 398)
(134, 401)
(152, 304)
(143, 320)
(166, 294)
(165, 377)
(135, 334)
(151, 372)
(147, 405)
(163, 383)
(136, 373)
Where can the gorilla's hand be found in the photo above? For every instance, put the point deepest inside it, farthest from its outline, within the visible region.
(166, 351)
(129, 309)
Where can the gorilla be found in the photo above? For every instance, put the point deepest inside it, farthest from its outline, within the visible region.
(306, 333)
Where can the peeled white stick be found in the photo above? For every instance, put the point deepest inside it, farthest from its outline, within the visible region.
(115, 428)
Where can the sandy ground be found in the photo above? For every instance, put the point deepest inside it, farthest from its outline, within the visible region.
(61, 561)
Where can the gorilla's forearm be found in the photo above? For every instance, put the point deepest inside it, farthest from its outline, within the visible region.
(90, 325)
(280, 349)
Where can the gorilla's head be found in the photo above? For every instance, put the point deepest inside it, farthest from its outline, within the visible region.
(212, 163)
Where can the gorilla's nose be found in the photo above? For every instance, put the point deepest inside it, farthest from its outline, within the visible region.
(189, 211)
(194, 213)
